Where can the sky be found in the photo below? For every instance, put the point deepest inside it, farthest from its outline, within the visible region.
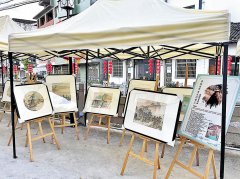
(232, 5)
(23, 12)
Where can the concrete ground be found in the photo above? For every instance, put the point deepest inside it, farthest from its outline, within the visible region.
(93, 158)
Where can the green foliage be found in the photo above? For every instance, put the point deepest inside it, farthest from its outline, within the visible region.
(25, 63)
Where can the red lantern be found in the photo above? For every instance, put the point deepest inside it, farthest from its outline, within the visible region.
(30, 68)
(105, 67)
(66, 57)
(110, 67)
(150, 66)
(157, 66)
(4, 69)
(49, 67)
(229, 67)
(74, 68)
(15, 68)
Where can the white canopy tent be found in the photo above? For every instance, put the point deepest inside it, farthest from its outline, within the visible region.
(7, 26)
(123, 24)
(131, 23)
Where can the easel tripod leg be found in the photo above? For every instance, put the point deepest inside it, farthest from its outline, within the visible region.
(156, 161)
(175, 157)
(127, 155)
(53, 133)
(214, 167)
(15, 125)
(123, 134)
(88, 128)
(163, 150)
(76, 126)
(41, 131)
(210, 157)
(29, 141)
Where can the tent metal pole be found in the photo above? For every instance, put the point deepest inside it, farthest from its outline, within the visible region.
(70, 73)
(12, 103)
(224, 102)
(86, 86)
(2, 70)
(134, 70)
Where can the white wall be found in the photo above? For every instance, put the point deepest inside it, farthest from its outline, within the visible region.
(202, 67)
(118, 80)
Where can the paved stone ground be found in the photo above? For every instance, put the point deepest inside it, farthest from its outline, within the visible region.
(93, 158)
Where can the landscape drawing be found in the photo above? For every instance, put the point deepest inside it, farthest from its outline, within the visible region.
(33, 101)
(62, 89)
(149, 113)
(102, 100)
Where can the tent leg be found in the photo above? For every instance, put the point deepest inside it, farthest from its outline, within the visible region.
(86, 89)
(224, 98)
(70, 72)
(2, 70)
(12, 103)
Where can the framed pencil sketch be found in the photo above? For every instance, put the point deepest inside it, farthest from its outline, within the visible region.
(102, 100)
(62, 90)
(184, 94)
(153, 114)
(7, 93)
(203, 119)
(33, 101)
(139, 84)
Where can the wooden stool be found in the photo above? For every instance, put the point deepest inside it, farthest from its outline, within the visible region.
(63, 123)
(100, 116)
(29, 138)
(155, 163)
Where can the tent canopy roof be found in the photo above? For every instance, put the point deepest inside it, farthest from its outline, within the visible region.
(124, 24)
(7, 26)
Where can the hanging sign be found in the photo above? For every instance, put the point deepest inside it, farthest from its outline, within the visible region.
(203, 117)
(219, 66)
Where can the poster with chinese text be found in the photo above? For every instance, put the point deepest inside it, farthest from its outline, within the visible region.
(202, 120)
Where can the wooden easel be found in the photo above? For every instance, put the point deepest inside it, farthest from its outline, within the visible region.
(188, 167)
(100, 116)
(63, 123)
(155, 163)
(42, 136)
(124, 130)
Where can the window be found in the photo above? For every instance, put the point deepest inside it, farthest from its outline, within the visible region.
(42, 21)
(56, 11)
(49, 16)
(181, 68)
(117, 68)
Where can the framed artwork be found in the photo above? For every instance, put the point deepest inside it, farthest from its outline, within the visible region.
(33, 101)
(102, 100)
(184, 94)
(153, 114)
(139, 84)
(203, 118)
(7, 93)
(63, 91)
